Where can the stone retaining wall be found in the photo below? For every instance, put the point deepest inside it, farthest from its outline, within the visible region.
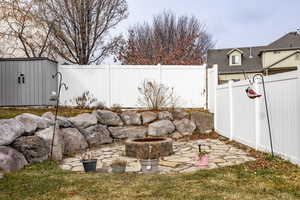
(27, 138)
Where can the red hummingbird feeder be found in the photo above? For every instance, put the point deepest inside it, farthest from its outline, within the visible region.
(251, 93)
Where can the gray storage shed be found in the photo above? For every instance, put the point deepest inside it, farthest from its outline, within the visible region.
(27, 81)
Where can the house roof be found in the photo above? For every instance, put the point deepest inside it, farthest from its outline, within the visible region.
(288, 41)
(220, 57)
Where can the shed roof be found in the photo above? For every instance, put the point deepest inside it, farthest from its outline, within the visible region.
(27, 59)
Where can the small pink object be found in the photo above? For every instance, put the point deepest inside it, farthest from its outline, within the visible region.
(202, 162)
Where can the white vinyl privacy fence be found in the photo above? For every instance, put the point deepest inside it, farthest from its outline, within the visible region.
(118, 84)
(244, 120)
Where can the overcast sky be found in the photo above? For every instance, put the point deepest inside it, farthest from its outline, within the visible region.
(232, 23)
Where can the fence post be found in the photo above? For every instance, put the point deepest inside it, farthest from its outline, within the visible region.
(257, 116)
(160, 73)
(298, 113)
(108, 67)
(230, 90)
(215, 87)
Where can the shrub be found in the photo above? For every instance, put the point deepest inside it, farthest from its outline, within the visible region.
(85, 100)
(157, 96)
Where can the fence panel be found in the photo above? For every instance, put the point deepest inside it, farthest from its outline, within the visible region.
(245, 120)
(222, 121)
(118, 84)
(243, 115)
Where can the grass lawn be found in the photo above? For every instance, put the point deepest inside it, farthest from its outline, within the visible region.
(263, 179)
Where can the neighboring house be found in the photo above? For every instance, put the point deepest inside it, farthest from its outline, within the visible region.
(280, 56)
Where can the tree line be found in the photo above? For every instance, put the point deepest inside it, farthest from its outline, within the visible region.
(79, 32)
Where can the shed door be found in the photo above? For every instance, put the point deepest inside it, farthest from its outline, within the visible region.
(31, 83)
(9, 84)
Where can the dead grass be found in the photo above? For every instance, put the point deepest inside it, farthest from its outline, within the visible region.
(6, 113)
(11, 112)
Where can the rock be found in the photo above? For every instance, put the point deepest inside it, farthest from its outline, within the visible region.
(84, 120)
(11, 159)
(63, 122)
(204, 121)
(179, 114)
(148, 117)
(185, 126)
(33, 122)
(33, 148)
(74, 141)
(161, 128)
(10, 129)
(108, 118)
(49, 115)
(165, 115)
(131, 118)
(96, 135)
(186, 134)
(128, 132)
(176, 135)
(58, 145)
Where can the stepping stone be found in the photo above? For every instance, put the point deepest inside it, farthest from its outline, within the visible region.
(169, 164)
(218, 160)
(65, 167)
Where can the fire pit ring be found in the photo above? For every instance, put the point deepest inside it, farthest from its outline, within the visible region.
(149, 148)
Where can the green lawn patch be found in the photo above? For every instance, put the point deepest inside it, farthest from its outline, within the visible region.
(274, 179)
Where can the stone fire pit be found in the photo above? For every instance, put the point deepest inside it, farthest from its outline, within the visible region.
(140, 148)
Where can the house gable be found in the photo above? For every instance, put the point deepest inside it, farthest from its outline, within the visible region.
(235, 57)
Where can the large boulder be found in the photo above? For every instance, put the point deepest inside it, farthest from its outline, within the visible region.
(131, 118)
(74, 141)
(108, 118)
(148, 117)
(11, 159)
(185, 126)
(58, 144)
(62, 122)
(33, 148)
(10, 129)
(33, 122)
(161, 128)
(96, 135)
(48, 115)
(204, 121)
(165, 115)
(128, 132)
(84, 120)
(179, 114)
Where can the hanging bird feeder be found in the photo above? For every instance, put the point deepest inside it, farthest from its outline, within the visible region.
(251, 93)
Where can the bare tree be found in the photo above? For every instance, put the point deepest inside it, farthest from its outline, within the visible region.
(168, 40)
(81, 27)
(22, 31)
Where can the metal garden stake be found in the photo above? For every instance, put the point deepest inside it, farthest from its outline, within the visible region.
(57, 103)
(267, 110)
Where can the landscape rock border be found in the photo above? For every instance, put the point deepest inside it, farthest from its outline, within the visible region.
(84, 131)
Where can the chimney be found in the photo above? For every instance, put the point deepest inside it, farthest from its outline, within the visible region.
(250, 56)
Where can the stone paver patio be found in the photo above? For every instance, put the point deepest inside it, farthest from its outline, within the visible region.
(183, 159)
